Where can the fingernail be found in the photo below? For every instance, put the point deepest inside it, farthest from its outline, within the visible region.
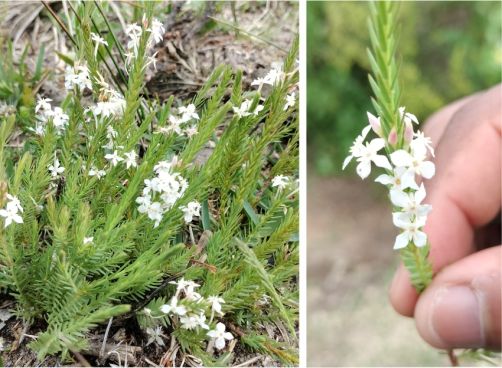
(456, 317)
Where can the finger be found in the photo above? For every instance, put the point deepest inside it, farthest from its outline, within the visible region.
(465, 192)
(461, 308)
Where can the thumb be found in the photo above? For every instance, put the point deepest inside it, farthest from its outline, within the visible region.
(461, 307)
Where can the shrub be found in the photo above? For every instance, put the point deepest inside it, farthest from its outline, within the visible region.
(107, 204)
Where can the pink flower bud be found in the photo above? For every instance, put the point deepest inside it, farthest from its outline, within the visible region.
(375, 124)
(392, 139)
(408, 132)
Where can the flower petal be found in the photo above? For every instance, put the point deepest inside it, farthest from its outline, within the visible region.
(364, 169)
(399, 198)
(384, 179)
(219, 343)
(347, 161)
(427, 169)
(420, 194)
(401, 219)
(408, 179)
(420, 238)
(401, 158)
(402, 241)
(382, 161)
(376, 144)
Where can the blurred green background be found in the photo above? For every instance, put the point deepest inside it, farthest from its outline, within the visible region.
(447, 50)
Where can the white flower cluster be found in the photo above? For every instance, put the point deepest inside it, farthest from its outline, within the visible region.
(179, 124)
(11, 211)
(273, 77)
(161, 193)
(110, 104)
(280, 181)
(134, 32)
(56, 169)
(191, 309)
(245, 109)
(45, 113)
(405, 165)
(77, 76)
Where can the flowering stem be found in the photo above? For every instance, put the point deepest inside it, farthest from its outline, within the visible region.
(384, 83)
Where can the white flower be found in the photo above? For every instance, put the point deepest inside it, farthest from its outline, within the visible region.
(93, 171)
(14, 203)
(39, 129)
(88, 240)
(357, 147)
(130, 159)
(415, 161)
(77, 76)
(99, 41)
(43, 104)
(257, 110)
(243, 110)
(144, 203)
(369, 154)
(191, 131)
(184, 285)
(401, 180)
(175, 124)
(290, 101)
(275, 75)
(155, 212)
(219, 335)
(407, 117)
(410, 203)
(134, 32)
(173, 308)
(280, 181)
(190, 210)
(155, 334)
(59, 118)
(157, 31)
(411, 230)
(216, 304)
(10, 214)
(421, 141)
(189, 322)
(110, 132)
(55, 169)
(114, 158)
(259, 82)
(113, 107)
(188, 113)
(201, 321)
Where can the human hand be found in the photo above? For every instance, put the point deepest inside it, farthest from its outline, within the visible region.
(462, 306)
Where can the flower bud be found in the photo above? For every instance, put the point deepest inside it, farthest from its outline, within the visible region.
(408, 132)
(375, 124)
(392, 139)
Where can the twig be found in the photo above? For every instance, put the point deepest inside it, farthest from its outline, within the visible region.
(61, 24)
(103, 346)
(250, 361)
